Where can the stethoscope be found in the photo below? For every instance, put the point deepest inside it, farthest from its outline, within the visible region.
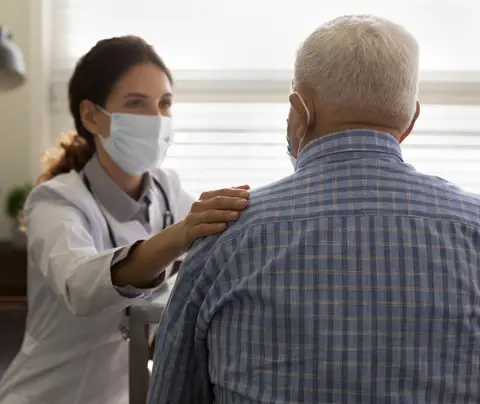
(167, 221)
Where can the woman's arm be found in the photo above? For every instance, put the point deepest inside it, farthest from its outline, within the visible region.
(62, 249)
(145, 265)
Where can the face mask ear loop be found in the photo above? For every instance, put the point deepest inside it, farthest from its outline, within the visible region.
(308, 121)
(104, 111)
(300, 143)
(304, 107)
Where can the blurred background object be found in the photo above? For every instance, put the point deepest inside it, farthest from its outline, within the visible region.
(12, 64)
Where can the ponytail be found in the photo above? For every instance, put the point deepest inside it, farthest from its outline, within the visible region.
(71, 153)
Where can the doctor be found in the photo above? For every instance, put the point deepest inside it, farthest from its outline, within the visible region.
(103, 227)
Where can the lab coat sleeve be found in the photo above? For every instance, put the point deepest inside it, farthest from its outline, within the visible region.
(61, 246)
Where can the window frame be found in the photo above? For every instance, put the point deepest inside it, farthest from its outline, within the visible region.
(436, 87)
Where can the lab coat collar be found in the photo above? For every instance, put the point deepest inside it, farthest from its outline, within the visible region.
(106, 191)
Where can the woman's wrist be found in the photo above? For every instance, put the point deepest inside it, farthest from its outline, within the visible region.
(180, 243)
(147, 261)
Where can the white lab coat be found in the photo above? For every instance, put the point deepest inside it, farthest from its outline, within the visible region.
(73, 352)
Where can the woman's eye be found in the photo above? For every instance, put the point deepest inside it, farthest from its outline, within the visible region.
(166, 104)
(134, 103)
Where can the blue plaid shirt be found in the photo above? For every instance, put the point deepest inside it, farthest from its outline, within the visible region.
(354, 280)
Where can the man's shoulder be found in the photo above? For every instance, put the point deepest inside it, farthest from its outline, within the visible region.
(265, 203)
(454, 198)
(454, 190)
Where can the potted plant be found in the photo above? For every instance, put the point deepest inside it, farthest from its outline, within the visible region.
(15, 200)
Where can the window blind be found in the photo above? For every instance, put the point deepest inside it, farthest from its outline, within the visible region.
(231, 144)
(233, 78)
(257, 34)
(228, 144)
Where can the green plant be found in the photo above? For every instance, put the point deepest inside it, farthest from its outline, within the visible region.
(15, 200)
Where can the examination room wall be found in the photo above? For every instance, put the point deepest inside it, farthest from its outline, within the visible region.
(20, 123)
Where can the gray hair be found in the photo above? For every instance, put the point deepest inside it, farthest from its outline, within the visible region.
(364, 65)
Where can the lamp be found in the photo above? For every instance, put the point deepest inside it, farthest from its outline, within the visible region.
(12, 65)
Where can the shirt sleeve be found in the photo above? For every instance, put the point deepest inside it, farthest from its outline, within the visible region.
(180, 365)
(61, 247)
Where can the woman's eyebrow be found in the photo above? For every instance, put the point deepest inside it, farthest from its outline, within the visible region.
(140, 95)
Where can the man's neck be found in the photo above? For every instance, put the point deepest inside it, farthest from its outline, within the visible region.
(328, 129)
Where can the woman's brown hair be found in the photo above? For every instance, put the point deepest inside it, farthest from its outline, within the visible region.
(94, 77)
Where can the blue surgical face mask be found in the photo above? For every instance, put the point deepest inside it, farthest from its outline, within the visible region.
(293, 160)
(137, 143)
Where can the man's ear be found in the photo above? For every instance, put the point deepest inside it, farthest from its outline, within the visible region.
(412, 124)
(88, 115)
(301, 108)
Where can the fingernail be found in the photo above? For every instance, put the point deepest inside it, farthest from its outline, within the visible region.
(242, 203)
(245, 194)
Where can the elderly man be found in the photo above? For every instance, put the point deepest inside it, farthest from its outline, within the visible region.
(353, 280)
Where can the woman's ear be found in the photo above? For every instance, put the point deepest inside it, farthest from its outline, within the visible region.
(89, 116)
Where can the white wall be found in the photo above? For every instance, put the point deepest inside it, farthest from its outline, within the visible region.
(23, 111)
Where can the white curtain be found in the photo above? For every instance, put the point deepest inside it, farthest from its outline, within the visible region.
(232, 61)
